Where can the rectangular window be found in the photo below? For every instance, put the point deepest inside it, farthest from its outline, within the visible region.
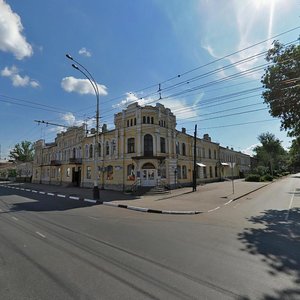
(88, 172)
(130, 145)
(162, 145)
(179, 172)
(204, 172)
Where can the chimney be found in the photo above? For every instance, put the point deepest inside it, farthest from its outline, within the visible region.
(183, 130)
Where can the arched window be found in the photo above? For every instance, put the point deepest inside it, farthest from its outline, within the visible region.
(74, 152)
(144, 119)
(134, 121)
(130, 172)
(209, 153)
(113, 146)
(107, 148)
(152, 120)
(91, 151)
(148, 120)
(177, 148)
(110, 173)
(130, 145)
(183, 149)
(148, 145)
(131, 122)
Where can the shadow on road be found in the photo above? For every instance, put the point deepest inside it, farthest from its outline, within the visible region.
(40, 203)
(278, 243)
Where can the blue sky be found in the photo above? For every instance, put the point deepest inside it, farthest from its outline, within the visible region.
(133, 44)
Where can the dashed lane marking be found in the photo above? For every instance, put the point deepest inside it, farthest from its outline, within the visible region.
(214, 209)
(40, 234)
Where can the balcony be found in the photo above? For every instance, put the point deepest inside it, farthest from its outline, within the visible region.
(75, 160)
(55, 162)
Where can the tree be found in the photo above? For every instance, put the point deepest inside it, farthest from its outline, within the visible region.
(22, 152)
(294, 155)
(282, 86)
(270, 154)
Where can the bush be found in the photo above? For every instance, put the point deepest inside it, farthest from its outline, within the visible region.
(267, 177)
(253, 177)
(285, 173)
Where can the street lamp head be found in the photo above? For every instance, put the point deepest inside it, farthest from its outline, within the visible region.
(69, 56)
(75, 67)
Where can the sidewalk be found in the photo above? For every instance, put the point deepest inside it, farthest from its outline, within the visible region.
(207, 197)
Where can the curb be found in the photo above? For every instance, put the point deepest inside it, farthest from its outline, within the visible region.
(155, 211)
(241, 196)
(136, 208)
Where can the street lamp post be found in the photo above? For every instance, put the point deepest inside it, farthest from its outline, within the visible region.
(88, 75)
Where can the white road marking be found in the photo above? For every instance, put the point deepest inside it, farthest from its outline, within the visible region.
(16, 219)
(290, 206)
(61, 196)
(40, 234)
(214, 209)
(34, 191)
(89, 200)
(73, 197)
(228, 202)
(27, 190)
(50, 194)
(93, 218)
(42, 193)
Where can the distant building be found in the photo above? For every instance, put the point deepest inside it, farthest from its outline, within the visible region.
(144, 148)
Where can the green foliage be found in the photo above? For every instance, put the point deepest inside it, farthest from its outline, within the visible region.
(253, 177)
(22, 152)
(261, 170)
(267, 177)
(270, 155)
(282, 86)
(294, 155)
(12, 173)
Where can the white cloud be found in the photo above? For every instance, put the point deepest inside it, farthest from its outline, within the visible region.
(69, 119)
(240, 22)
(17, 79)
(83, 51)
(11, 37)
(81, 86)
(179, 107)
(249, 150)
(131, 98)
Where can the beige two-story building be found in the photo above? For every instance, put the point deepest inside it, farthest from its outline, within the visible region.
(144, 149)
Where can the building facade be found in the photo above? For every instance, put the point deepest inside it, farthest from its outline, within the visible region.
(144, 149)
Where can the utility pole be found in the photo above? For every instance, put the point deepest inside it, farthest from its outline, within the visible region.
(195, 160)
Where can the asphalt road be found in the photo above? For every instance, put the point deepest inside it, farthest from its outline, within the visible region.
(54, 248)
